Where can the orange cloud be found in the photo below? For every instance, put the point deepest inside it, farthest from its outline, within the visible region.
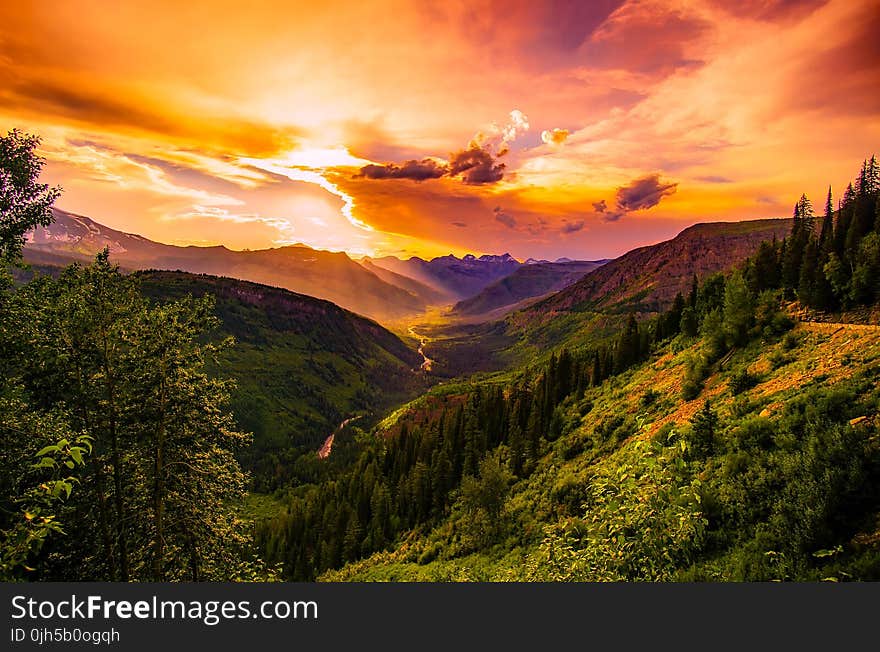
(269, 123)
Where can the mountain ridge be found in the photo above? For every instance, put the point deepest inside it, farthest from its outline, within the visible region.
(649, 277)
(327, 275)
(530, 281)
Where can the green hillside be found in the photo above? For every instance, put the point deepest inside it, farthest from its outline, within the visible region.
(301, 366)
(728, 434)
(780, 481)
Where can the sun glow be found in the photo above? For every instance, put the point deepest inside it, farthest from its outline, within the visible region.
(309, 166)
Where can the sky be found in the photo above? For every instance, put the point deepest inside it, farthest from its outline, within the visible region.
(542, 129)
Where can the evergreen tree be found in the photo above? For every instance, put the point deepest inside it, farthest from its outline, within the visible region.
(826, 237)
(703, 429)
(739, 310)
(806, 282)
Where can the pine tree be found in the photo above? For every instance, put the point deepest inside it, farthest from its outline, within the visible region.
(826, 237)
(703, 425)
(806, 282)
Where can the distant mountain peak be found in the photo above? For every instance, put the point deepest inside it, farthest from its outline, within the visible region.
(503, 258)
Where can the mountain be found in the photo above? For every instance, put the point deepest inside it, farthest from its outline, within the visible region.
(328, 275)
(425, 293)
(648, 278)
(457, 278)
(301, 365)
(527, 282)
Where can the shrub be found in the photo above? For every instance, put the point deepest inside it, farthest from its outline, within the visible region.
(649, 397)
(790, 341)
(779, 359)
(696, 371)
(742, 381)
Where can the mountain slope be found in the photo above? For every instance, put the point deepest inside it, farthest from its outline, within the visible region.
(648, 278)
(457, 278)
(529, 281)
(324, 274)
(425, 293)
(302, 365)
(775, 480)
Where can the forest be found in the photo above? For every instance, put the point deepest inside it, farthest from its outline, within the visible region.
(445, 478)
(124, 457)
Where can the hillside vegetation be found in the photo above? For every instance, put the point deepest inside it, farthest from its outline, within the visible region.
(719, 439)
(771, 472)
(301, 366)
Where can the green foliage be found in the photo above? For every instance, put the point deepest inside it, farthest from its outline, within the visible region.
(24, 203)
(739, 310)
(39, 491)
(642, 520)
(701, 437)
(697, 369)
(742, 380)
(132, 377)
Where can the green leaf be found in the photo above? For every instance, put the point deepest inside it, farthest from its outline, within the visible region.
(48, 449)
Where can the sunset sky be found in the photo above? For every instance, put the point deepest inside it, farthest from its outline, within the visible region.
(545, 129)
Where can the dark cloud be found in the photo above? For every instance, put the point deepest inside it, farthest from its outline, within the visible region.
(640, 194)
(504, 218)
(415, 170)
(645, 192)
(613, 216)
(460, 225)
(572, 227)
(475, 165)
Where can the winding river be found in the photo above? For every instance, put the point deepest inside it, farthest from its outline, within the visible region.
(427, 362)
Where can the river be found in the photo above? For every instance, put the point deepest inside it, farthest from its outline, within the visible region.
(427, 363)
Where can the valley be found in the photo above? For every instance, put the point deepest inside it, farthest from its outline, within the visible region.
(515, 421)
(520, 292)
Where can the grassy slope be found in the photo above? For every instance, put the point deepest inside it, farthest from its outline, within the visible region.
(603, 431)
(301, 364)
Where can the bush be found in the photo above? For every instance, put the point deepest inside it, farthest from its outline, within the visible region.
(696, 371)
(649, 397)
(779, 359)
(742, 381)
